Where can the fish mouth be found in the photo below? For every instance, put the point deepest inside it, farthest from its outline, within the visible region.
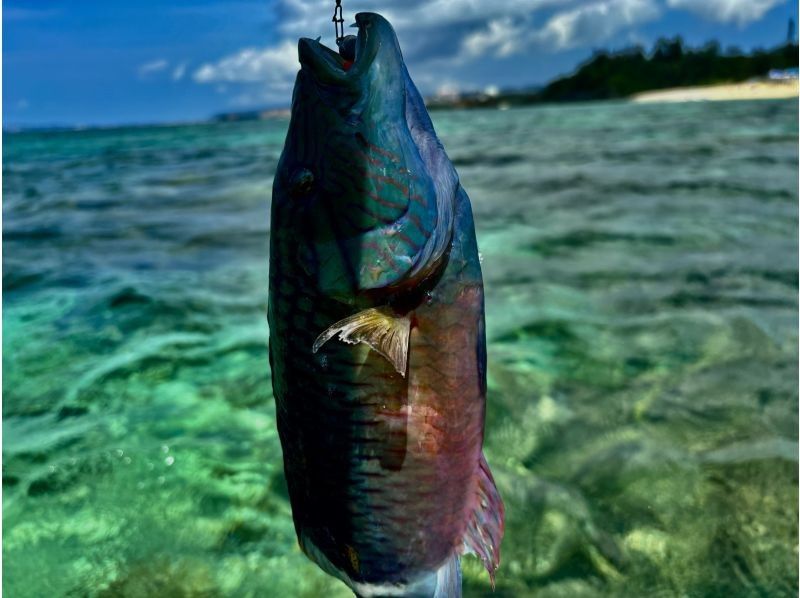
(329, 67)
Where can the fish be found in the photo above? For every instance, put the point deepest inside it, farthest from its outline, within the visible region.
(377, 331)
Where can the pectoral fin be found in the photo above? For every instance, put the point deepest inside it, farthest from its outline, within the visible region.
(379, 328)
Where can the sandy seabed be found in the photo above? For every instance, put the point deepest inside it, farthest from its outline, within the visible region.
(641, 320)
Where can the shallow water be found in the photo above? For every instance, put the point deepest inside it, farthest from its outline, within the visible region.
(641, 278)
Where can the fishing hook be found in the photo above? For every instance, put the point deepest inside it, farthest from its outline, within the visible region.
(338, 21)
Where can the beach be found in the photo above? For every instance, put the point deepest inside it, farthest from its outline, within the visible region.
(757, 90)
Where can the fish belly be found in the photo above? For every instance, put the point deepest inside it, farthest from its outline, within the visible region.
(382, 470)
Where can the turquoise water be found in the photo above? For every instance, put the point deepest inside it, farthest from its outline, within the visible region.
(641, 279)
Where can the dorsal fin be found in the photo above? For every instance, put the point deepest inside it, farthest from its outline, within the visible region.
(379, 328)
(485, 530)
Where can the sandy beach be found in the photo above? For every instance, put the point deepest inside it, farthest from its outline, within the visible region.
(759, 90)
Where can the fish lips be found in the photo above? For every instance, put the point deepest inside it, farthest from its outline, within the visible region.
(328, 67)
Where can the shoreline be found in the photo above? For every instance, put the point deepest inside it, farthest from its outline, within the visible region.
(756, 90)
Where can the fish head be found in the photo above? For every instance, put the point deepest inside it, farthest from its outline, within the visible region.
(361, 189)
(369, 77)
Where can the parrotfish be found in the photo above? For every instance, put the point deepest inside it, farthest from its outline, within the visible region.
(377, 341)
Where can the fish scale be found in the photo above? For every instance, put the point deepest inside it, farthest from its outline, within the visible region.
(377, 341)
(333, 417)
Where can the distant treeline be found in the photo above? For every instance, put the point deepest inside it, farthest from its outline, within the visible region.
(670, 64)
(609, 75)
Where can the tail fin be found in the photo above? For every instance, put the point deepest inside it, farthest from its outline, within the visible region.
(448, 579)
(485, 530)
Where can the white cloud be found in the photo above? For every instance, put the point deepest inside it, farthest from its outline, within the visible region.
(275, 64)
(179, 71)
(152, 67)
(436, 35)
(306, 16)
(595, 22)
(416, 22)
(502, 37)
(585, 24)
(456, 37)
(727, 11)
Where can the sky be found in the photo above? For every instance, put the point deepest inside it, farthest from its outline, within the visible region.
(106, 62)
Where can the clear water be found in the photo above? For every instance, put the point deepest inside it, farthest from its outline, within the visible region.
(641, 278)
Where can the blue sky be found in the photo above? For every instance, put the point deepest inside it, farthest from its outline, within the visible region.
(110, 62)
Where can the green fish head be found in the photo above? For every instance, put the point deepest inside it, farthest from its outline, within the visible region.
(373, 82)
(363, 192)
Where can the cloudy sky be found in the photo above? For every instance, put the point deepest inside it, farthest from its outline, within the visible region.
(109, 61)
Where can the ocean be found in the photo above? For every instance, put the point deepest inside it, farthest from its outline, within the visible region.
(641, 276)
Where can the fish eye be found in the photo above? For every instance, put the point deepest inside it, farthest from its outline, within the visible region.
(301, 183)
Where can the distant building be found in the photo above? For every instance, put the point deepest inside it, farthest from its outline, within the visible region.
(783, 74)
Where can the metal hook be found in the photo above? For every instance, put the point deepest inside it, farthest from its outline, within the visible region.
(338, 21)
